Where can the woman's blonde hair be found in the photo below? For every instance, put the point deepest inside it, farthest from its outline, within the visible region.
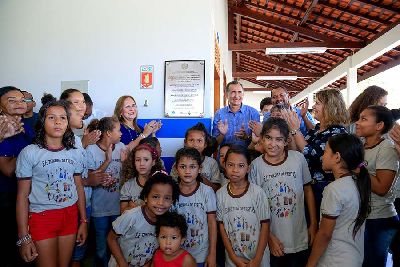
(334, 111)
(118, 111)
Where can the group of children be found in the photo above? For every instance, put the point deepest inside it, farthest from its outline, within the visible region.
(263, 208)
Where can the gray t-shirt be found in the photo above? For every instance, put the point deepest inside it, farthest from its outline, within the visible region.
(242, 216)
(341, 200)
(382, 157)
(88, 189)
(130, 191)
(52, 175)
(195, 207)
(209, 169)
(137, 236)
(283, 184)
(105, 200)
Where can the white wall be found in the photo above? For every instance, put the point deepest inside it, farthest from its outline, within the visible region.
(105, 42)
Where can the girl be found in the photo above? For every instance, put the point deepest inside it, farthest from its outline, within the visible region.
(12, 108)
(221, 162)
(141, 163)
(382, 163)
(132, 240)
(285, 178)
(154, 142)
(171, 229)
(105, 156)
(344, 207)
(50, 192)
(243, 214)
(126, 112)
(76, 98)
(197, 137)
(197, 203)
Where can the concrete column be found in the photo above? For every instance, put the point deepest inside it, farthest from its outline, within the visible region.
(352, 91)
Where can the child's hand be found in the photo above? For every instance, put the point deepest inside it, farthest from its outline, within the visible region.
(275, 246)
(109, 181)
(82, 234)
(240, 262)
(90, 138)
(124, 154)
(254, 263)
(28, 251)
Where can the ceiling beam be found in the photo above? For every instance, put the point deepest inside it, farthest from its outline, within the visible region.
(259, 89)
(271, 61)
(263, 46)
(287, 87)
(320, 26)
(247, 74)
(279, 23)
(387, 8)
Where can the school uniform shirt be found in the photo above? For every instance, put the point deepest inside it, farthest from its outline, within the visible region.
(105, 200)
(52, 174)
(137, 236)
(283, 183)
(130, 191)
(209, 169)
(242, 216)
(195, 207)
(341, 200)
(87, 189)
(382, 156)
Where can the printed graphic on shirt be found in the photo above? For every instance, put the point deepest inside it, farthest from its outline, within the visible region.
(282, 195)
(60, 186)
(240, 229)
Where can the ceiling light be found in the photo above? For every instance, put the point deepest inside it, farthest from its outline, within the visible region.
(262, 92)
(277, 77)
(295, 50)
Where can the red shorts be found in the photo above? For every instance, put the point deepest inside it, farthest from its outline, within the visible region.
(53, 223)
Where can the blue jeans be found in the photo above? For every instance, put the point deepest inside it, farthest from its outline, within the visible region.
(102, 226)
(79, 251)
(378, 236)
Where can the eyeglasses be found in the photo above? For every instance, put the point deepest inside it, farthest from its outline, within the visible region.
(27, 100)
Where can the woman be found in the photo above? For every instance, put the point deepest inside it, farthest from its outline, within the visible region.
(372, 95)
(330, 110)
(132, 133)
(12, 107)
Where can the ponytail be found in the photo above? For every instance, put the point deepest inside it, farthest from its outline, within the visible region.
(351, 151)
(363, 183)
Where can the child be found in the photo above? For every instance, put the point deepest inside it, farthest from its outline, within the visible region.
(243, 214)
(136, 170)
(221, 160)
(50, 191)
(345, 205)
(171, 231)
(197, 203)
(382, 163)
(154, 142)
(197, 137)
(132, 240)
(105, 156)
(285, 178)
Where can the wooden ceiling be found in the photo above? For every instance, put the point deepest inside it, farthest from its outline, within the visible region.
(343, 26)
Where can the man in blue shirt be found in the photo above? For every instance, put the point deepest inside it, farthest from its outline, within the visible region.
(30, 118)
(231, 123)
(281, 97)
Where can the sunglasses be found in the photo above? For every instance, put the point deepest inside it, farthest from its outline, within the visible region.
(27, 100)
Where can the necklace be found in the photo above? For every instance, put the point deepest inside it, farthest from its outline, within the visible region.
(230, 189)
(129, 129)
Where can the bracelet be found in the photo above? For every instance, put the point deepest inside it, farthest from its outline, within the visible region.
(26, 239)
(84, 220)
(142, 135)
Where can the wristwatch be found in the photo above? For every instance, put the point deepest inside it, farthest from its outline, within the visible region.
(294, 132)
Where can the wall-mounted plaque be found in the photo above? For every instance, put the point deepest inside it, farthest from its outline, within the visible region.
(184, 88)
